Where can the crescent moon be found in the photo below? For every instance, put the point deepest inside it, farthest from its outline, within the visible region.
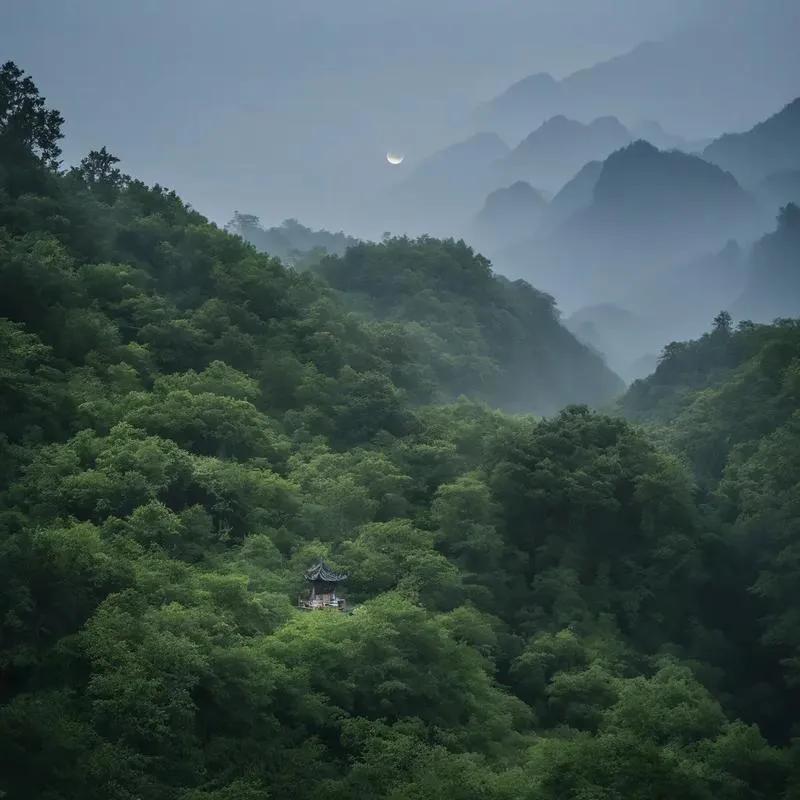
(394, 158)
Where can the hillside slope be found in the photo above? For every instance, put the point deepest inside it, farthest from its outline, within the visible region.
(728, 404)
(488, 338)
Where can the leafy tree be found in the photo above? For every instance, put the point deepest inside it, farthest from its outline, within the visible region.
(98, 172)
(26, 124)
(723, 323)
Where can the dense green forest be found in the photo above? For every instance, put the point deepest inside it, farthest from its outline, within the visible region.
(466, 330)
(565, 608)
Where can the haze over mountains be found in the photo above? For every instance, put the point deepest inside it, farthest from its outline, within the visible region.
(639, 246)
(509, 215)
(648, 209)
(291, 241)
(629, 223)
(689, 80)
(446, 188)
(662, 235)
(516, 175)
(616, 225)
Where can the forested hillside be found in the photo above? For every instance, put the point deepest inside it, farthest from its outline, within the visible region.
(731, 387)
(728, 404)
(477, 333)
(544, 609)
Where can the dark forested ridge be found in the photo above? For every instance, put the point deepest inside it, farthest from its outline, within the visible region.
(478, 334)
(546, 609)
(731, 387)
(728, 404)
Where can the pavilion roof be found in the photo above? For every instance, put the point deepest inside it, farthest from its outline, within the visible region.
(322, 572)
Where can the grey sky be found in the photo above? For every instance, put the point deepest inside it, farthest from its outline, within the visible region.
(285, 107)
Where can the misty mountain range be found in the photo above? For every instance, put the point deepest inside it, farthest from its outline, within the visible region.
(650, 219)
(639, 245)
(593, 215)
(556, 150)
(691, 77)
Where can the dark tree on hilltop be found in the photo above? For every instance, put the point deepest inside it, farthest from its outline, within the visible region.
(25, 122)
(723, 323)
(97, 171)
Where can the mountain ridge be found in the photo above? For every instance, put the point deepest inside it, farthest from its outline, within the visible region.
(560, 146)
(770, 146)
(694, 79)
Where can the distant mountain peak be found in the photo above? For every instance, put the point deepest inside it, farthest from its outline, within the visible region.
(608, 122)
(641, 170)
(527, 87)
(561, 125)
(558, 120)
(519, 191)
(557, 149)
(509, 214)
(698, 80)
(483, 142)
(638, 147)
(647, 209)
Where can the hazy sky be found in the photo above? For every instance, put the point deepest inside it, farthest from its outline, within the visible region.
(286, 107)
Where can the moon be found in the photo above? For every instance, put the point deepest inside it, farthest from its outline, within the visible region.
(394, 158)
